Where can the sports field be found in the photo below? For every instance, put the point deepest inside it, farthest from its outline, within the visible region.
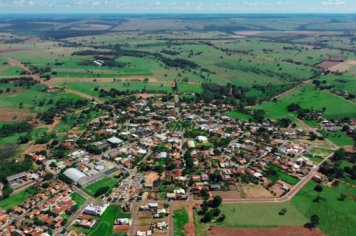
(91, 189)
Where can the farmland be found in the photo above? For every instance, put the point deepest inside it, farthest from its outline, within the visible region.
(307, 97)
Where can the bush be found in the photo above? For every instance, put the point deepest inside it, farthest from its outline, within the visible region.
(318, 188)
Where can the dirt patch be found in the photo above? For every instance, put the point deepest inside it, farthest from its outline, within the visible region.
(190, 227)
(86, 217)
(145, 95)
(151, 176)
(3, 69)
(13, 50)
(280, 231)
(120, 228)
(8, 114)
(335, 184)
(277, 189)
(349, 148)
(350, 196)
(327, 64)
(256, 191)
(144, 196)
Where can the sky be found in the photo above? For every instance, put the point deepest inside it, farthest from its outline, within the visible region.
(177, 6)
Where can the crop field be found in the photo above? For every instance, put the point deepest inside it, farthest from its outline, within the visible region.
(307, 97)
(91, 189)
(336, 217)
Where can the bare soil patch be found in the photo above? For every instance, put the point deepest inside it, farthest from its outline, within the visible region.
(3, 69)
(256, 191)
(350, 196)
(120, 228)
(13, 50)
(190, 227)
(145, 95)
(8, 114)
(151, 176)
(349, 148)
(327, 64)
(343, 66)
(279, 231)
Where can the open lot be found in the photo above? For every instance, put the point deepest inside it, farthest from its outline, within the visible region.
(256, 191)
(14, 200)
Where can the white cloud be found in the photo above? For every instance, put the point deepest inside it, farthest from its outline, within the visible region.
(187, 3)
(30, 3)
(95, 4)
(333, 2)
(157, 3)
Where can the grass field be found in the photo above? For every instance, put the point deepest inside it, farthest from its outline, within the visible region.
(79, 200)
(14, 200)
(72, 96)
(283, 176)
(316, 160)
(240, 116)
(321, 151)
(307, 97)
(339, 137)
(105, 226)
(179, 220)
(91, 189)
(336, 217)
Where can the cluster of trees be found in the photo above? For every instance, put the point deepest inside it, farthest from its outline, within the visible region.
(40, 70)
(11, 129)
(173, 53)
(8, 168)
(181, 63)
(101, 191)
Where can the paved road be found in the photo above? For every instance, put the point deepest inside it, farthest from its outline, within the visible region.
(170, 221)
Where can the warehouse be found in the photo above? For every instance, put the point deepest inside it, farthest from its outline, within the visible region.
(89, 180)
(74, 174)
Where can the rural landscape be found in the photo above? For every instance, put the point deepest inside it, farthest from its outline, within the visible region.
(178, 124)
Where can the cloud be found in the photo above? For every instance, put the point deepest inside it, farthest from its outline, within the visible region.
(30, 3)
(333, 2)
(157, 3)
(95, 4)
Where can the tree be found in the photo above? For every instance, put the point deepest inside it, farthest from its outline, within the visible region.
(217, 201)
(208, 216)
(274, 99)
(313, 136)
(318, 188)
(222, 218)
(48, 176)
(53, 164)
(45, 185)
(314, 220)
(146, 80)
(283, 211)
(216, 211)
(204, 192)
(205, 208)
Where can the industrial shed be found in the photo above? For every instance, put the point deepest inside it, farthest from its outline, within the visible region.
(74, 174)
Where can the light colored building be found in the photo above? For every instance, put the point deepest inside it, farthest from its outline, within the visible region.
(95, 209)
(202, 139)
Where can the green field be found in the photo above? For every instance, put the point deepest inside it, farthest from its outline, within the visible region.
(240, 116)
(336, 217)
(307, 97)
(79, 200)
(339, 137)
(106, 221)
(108, 181)
(283, 176)
(321, 151)
(179, 220)
(72, 96)
(14, 200)
(316, 160)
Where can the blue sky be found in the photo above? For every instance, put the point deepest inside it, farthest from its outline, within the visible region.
(177, 6)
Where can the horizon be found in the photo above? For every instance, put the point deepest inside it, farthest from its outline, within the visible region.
(178, 7)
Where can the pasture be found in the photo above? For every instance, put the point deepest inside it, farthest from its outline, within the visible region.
(307, 97)
(336, 217)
